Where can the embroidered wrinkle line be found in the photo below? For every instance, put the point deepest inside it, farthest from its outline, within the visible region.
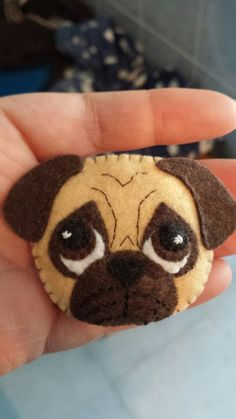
(147, 297)
(103, 193)
(127, 237)
(96, 295)
(118, 181)
(139, 209)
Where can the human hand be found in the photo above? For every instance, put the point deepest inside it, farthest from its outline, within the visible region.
(39, 126)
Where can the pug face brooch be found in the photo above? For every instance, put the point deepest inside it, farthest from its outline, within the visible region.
(122, 239)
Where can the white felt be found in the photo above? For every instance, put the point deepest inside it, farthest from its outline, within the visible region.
(66, 234)
(178, 239)
(167, 265)
(79, 266)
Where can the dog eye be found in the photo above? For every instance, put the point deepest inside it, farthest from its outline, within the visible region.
(173, 237)
(80, 265)
(169, 266)
(75, 236)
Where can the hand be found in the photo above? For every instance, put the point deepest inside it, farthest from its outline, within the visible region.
(39, 126)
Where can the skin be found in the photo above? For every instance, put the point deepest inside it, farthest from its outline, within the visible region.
(39, 126)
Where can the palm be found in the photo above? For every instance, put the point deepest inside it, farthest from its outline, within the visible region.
(37, 127)
(30, 324)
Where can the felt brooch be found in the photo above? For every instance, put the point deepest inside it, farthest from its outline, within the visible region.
(122, 239)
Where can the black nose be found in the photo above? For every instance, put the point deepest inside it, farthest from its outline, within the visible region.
(127, 267)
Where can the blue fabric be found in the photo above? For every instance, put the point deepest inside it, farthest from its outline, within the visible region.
(24, 80)
(106, 58)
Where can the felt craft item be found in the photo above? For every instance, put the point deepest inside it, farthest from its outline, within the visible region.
(121, 239)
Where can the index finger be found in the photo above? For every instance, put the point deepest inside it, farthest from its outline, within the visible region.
(225, 170)
(56, 123)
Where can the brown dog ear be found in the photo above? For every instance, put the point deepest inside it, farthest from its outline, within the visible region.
(215, 205)
(30, 200)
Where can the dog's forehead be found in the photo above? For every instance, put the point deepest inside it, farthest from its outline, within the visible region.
(127, 190)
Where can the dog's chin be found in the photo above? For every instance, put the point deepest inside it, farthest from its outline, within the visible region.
(115, 305)
(134, 315)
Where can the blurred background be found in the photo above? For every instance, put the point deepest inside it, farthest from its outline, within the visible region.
(184, 366)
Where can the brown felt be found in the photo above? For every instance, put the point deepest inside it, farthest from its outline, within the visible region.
(126, 208)
(165, 215)
(102, 297)
(126, 198)
(29, 202)
(90, 216)
(215, 205)
(128, 267)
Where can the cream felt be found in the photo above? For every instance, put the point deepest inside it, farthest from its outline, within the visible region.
(127, 190)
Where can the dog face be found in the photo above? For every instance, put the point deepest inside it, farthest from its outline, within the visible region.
(121, 239)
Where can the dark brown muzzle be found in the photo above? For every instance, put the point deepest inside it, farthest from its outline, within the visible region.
(123, 288)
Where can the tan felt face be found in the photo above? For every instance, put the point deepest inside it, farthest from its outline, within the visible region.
(123, 270)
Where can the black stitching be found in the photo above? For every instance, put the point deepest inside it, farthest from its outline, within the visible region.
(139, 209)
(148, 296)
(117, 180)
(162, 303)
(109, 319)
(131, 241)
(95, 295)
(104, 194)
(96, 310)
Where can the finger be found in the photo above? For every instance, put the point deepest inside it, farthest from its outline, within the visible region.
(26, 316)
(225, 170)
(54, 123)
(68, 332)
(219, 280)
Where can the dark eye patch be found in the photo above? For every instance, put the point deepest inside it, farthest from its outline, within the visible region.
(173, 236)
(74, 235)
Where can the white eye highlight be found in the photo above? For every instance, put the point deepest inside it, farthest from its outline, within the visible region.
(178, 239)
(167, 265)
(79, 266)
(66, 234)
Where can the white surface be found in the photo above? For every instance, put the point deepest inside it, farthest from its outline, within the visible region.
(179, 368)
